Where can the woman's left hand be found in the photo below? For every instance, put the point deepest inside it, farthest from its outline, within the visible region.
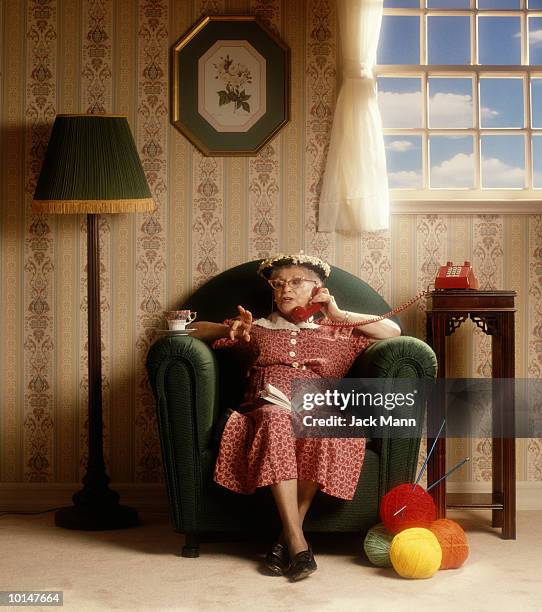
(329, 305)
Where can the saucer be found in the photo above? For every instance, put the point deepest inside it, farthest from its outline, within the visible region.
(177, 332)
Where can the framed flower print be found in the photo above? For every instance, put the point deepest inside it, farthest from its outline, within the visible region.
(230, 85)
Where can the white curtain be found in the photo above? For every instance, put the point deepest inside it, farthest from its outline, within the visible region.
(354, 193)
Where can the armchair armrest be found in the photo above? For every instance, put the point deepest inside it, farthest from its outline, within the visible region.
(183, 376)
(400, 357)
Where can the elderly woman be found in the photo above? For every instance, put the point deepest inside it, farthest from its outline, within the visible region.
(258, 447)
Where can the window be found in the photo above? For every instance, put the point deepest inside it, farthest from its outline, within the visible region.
(459, 87)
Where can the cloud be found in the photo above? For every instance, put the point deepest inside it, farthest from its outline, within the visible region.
(495, 173)
(458, 172)
(488, 113)
(399, 146)
(405, 180)
(400, 109)
(450, 110)
(535, 37)
(454, 172)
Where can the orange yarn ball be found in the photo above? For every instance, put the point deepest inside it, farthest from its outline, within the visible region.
(420, 509)
(453, 541)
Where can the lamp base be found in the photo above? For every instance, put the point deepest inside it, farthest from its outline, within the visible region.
(96, 518)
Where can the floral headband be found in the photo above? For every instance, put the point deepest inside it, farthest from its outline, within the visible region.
(299, 259)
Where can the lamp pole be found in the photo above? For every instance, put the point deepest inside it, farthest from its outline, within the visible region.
(96, 506)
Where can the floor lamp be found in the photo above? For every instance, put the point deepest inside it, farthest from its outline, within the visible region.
(92, 166)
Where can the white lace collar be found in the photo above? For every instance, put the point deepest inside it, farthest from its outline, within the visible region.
(276, 321)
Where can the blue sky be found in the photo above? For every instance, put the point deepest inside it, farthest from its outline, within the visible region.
(537, 160)
(448, 40)
(502, 100)
(450, 99)
(404, 159)
(536, 105)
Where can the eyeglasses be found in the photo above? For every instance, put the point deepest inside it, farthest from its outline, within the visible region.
(295, 283)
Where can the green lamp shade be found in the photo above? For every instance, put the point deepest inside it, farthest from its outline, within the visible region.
(92, 166)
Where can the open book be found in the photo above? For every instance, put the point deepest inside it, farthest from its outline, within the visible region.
(275, 396)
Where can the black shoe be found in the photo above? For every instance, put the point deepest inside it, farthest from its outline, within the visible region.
(302, 565)
(277, 559)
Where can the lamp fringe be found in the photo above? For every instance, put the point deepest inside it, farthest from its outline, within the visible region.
(66, 207)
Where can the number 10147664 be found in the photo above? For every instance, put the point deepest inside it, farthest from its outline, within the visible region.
(31, 598)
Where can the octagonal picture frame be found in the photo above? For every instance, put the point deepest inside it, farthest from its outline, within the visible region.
(230, 85)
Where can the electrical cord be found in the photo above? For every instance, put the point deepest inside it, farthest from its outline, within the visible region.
(7, 512)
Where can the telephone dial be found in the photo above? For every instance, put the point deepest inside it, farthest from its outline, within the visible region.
(456, 277)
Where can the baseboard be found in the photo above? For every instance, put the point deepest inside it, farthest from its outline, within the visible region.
(31, 497)
(151, 497)
(528, 493)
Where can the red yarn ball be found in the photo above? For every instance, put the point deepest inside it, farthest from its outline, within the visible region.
(453, 541)
(420, 509)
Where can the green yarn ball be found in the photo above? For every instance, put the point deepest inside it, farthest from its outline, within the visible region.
(377, 545)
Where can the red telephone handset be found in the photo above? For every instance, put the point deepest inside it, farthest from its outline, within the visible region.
(300, 313)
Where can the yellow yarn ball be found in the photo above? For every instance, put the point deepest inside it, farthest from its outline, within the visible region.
(415, 553)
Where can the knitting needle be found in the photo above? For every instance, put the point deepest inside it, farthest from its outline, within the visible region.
(429, 455)
(442, 478)
(423, 467)
(449, 472)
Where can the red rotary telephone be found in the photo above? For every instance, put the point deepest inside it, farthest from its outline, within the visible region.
(453, 276)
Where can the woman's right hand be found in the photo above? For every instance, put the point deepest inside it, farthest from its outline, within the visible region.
(240, 327)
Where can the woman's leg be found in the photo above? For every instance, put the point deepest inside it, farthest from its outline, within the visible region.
(306, 489)
(285, 494)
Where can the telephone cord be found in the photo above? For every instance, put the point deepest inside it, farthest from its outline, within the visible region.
(395, 311)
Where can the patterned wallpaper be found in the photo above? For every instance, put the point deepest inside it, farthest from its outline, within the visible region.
(213, 213)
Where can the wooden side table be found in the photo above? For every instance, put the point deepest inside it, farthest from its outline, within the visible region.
(493, 312)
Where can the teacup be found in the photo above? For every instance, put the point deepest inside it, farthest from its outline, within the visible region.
(178, 319)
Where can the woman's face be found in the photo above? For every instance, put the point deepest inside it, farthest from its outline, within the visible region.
(297, 292)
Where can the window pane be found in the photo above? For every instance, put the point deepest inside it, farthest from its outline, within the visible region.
(451, 161)
(501, 103)
(444, 4)
(401, 3)
(404, 161)
(499, 40)
(535, 4)
(503, 161)
(498, 4)
(536, 103)
(400, 102)
(537, 161)
(535, 40)
(399, 40)
(448, 40)
(450, 103)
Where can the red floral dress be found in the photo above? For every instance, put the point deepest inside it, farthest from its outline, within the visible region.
(258, 447)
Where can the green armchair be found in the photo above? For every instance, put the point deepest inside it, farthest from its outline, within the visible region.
(195, 387)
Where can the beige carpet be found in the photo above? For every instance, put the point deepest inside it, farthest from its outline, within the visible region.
(137, 569)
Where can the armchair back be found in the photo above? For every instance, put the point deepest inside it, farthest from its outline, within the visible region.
(217, 299)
